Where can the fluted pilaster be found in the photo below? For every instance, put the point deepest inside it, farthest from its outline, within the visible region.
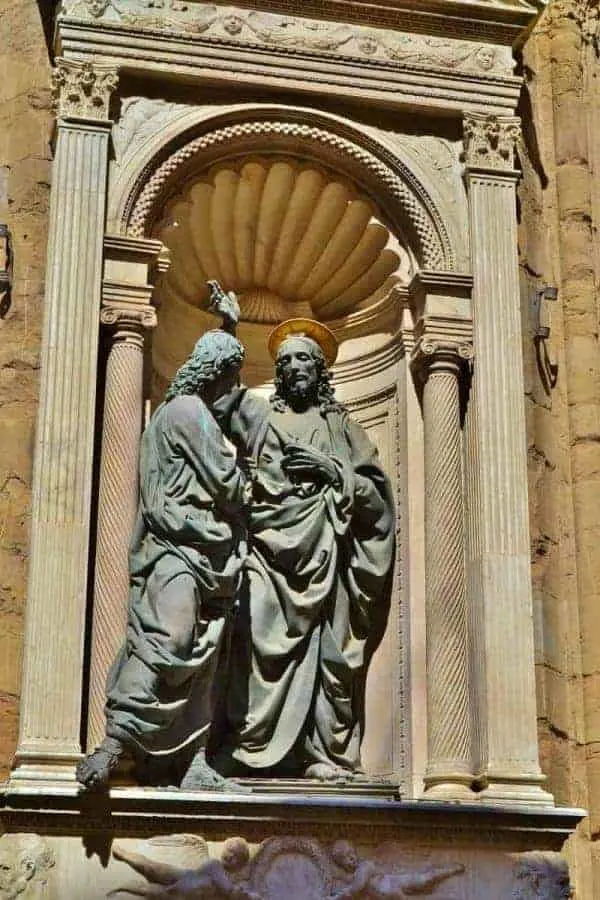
(497, 524)
(50, 721)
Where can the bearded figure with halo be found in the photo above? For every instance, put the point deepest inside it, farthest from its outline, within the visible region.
(316, 591)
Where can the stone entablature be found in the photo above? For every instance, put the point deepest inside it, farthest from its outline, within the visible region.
(295, 34)
(445, 62)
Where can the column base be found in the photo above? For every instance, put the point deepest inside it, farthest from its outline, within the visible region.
(40, 771)
(515, 790)
(450, 786)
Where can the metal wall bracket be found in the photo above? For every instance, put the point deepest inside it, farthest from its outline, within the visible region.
(541, 332)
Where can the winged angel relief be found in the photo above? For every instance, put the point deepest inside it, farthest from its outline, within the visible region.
(212, 879)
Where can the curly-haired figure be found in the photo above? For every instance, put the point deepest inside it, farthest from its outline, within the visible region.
(185, 568)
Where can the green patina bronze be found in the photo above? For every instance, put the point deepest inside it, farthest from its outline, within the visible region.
(251, 625)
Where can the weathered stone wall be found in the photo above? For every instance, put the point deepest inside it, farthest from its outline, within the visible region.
(559, 247)
(25, 127)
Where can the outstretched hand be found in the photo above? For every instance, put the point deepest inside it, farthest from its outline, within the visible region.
(306, 462)
(225, 305)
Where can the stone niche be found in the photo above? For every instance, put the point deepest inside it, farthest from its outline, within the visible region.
(354, 163)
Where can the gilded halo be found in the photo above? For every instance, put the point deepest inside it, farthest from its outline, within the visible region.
(309, 328)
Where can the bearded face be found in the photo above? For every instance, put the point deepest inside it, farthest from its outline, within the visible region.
(298, 370)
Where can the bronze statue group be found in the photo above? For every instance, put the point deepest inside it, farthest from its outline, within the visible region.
(260, 569)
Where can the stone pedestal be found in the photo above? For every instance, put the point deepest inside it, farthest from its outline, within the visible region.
(300, 847)
(49, 737)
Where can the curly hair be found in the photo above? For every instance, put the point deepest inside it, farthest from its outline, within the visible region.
(214, 353)
(325, 392)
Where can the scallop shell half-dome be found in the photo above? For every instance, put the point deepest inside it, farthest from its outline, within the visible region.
(289, 238)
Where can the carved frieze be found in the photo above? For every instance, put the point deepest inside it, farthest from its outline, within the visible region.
(295, 34)
(82, 90)
(295, 867)
(490, 141)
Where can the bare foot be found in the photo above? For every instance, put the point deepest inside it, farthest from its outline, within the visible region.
(95, 770)
(202, 777)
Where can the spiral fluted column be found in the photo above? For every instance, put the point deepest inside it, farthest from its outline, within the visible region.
(118, 497)
(449, 772)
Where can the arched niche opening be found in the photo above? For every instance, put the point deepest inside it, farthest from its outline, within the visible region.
(291, 238)
(217, 193)
(294, 237)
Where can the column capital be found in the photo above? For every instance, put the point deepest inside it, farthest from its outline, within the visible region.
(129, 319)
(449, 355)
(489, 142)
(132, 266)
(82, 90)
(440, 304)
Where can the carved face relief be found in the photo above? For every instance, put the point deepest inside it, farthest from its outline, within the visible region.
(24, 861)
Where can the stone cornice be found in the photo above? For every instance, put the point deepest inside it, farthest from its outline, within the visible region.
(383, 82)
(392, 67)
(284, 808)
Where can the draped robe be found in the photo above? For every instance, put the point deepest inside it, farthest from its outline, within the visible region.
(317, 589)
(185, 562)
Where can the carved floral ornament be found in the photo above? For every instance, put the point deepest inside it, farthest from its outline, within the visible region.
(490, 141)
(82, 90)
(294, 34)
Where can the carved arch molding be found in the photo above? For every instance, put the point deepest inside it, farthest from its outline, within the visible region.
(394, 186)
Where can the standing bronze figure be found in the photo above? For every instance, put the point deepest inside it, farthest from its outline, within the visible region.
(317, 582)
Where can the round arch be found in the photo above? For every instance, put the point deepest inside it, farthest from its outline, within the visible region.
(184, 148)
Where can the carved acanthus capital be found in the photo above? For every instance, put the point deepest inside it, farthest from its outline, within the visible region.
(82, 90)
(489, 141)
(129, 320)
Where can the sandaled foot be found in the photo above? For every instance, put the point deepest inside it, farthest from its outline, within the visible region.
(202, 777)
(95, 770)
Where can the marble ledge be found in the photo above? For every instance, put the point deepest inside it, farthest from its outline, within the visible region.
(150, 810)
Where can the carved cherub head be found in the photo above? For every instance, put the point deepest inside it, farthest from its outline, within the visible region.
(236, 854)
(345, 856)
